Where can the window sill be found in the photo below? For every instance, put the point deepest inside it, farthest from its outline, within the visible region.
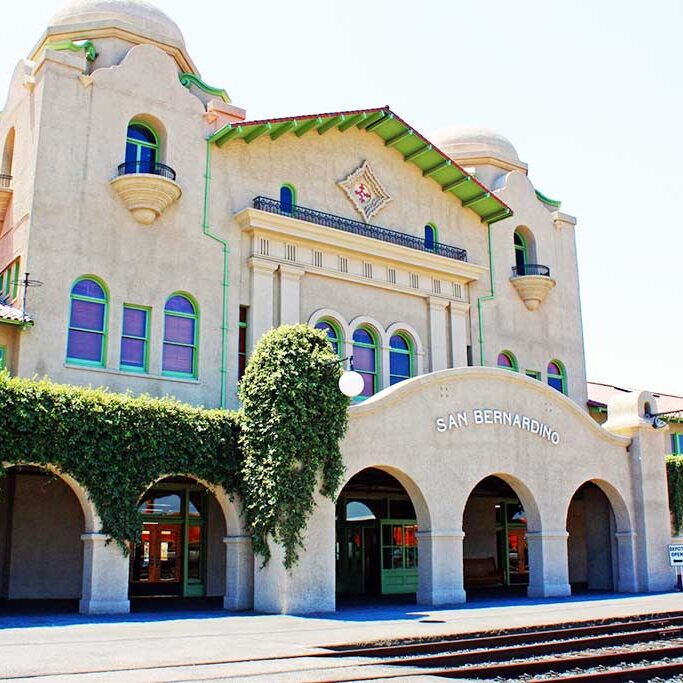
(136, 375)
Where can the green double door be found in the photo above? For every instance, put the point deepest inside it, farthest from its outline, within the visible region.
(377, 557)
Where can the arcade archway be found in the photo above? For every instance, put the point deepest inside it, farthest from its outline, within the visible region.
(376, 548)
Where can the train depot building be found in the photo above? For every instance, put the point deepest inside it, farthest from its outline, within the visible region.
(171, 232)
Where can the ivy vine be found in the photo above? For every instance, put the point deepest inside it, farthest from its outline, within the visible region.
(674, 474)
(273, 452)
(293, 418)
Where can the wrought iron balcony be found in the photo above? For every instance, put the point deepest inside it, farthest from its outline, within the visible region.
(531, 269)
(5, 181)
(358, 228)
(154, 168)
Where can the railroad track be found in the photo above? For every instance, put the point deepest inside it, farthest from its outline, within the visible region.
(642, 649)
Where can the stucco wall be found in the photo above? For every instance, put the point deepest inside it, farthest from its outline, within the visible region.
(46, 547)
(479, 525)
(215, 548)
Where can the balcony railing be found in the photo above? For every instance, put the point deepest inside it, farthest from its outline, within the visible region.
(5, 181)
(155, 168)
(358, 228)
(531, 269)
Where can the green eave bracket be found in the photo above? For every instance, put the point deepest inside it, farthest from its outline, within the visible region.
(552, 203)
(75, 46)
(396, 134)
(188, 80)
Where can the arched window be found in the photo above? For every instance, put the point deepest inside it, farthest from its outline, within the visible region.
(557, 376)
(521, 256)
(87, 336)
(179, 356)
(7, 155)
(365, 359)
(401, 361)
(142, 148)
(506, 359)
(431, 237)
(287, 198)
(525, 250)
(333, 334)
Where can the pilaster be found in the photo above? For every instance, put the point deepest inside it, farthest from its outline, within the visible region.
(548, 565)
(438, 339)
(459, 325)
(105, 577)
(261, 304)
(290, 294)
(440, 568)
(239, 573)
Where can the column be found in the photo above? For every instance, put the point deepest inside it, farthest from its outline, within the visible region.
(627, 580)
(459, 312)
(105, 576)
(437, 333)
(308, 586)
(440, 567)
(239, 573)
(548, 564)
(261, 299)
(290, 287)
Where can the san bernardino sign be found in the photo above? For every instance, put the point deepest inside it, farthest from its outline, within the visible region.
(491, 416)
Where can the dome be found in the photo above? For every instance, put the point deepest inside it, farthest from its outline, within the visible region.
(137, 16)
(463, 142)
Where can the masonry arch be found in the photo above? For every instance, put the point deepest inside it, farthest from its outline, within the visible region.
(44, 515)
(497, 518)
(378, 514)
(600, 544)
(7, 160)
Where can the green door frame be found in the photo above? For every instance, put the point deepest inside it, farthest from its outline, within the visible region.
(398, 581)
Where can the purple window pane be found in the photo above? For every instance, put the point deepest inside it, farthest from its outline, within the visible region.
(179, 304)
(504, 361)
(363, 358)
(553, 369)
(368, 384)
(178, 359)
(362, 336)
(84, 346)
(399, 364)
(88, 288)
(87, 315)
(178, 329)
(398, 342)
(134, 322)
(133, 352)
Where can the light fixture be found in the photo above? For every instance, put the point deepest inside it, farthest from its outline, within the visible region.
(657, 422)
(351, 383)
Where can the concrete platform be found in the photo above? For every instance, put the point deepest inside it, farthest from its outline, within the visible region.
(214, 644)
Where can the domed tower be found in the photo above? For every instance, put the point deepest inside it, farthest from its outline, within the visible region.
(490, 153)
(114, 27)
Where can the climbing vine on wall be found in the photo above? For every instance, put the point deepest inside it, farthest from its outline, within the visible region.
(293, 418)
(115, 445)
(674, 473)
(274, 452)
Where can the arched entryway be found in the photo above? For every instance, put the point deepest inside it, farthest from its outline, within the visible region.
(594, 528)
(41, 524)
(181, 552)
(498, 516)
(376, 539)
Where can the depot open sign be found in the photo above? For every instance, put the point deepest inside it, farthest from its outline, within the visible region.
(676, 555)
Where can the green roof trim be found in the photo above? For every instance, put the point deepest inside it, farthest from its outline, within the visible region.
(553, 203)
(75, 46)
(396, 134)
(189, 79)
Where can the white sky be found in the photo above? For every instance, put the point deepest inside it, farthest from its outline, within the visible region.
(590, 93)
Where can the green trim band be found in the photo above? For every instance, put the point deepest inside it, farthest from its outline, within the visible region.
(482, 299)
(189, 79)
(554, 203)
(75, 46)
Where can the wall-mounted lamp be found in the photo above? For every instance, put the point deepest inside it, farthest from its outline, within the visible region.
(351, 383)
(657, 422)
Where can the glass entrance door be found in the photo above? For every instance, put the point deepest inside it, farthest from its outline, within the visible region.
(156, 567)
(399, 556)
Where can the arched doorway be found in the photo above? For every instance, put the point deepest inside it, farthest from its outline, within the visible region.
(495, 546)
(41, 523)
(376, 537)
(181, 552)
(592, 551)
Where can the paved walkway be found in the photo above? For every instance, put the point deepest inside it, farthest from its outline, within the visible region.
(217, 645)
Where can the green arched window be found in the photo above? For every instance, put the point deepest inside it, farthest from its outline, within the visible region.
(287, 198)
(366, 359)
(88, 315)
(401, 358)
(333, 333)
(557, 376)
(507, 360)
(431, 237)
(181, 319)
(521, 253)
(142, 148)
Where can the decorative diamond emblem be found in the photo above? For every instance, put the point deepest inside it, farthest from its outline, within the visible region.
(364, 191)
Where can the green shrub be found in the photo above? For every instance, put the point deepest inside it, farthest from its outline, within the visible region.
(674, 474)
